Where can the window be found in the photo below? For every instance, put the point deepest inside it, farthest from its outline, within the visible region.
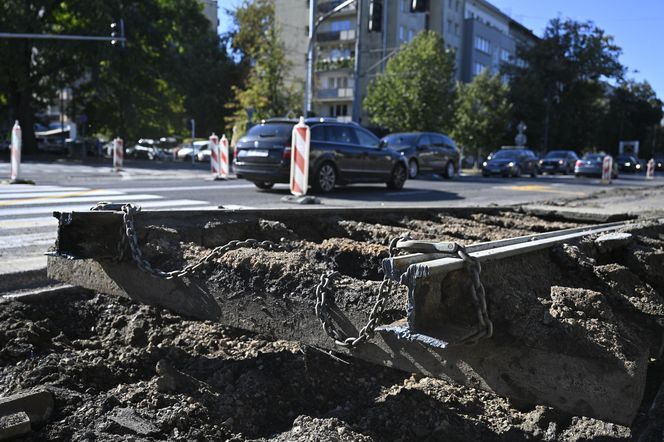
(341, 25)
(318, 132)
(341, 134)
(403, 6)
(478, 68)
(449, 26)
(457, 5)
(482, 44)
(402, 33)
(411, 34)
(331, 83)
(456, 28)
(449, 4)
(367, 139)
(505, 55)
(424, 141)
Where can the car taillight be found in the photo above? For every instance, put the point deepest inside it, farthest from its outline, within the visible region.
(286, 154)
(579, 163)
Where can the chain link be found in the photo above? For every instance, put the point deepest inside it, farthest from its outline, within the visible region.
(130, 237)
(478, 293)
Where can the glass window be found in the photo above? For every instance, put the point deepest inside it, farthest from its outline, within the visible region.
(505, 55)
(478, 68)
(366, 138)
(271, 130)
(341, 25)
(424, 141)
(318, 133)
(342, 134)
(402, 33)
(437, 141)
(411, 34)
(482, 44)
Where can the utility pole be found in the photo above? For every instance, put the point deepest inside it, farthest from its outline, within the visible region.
(358, 57)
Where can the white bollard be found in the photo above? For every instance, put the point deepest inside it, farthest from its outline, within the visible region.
(607, 169)
(214, 156)
(118, 154)
(650, 169)
(224, 157)
(299, 175)
(16, 152)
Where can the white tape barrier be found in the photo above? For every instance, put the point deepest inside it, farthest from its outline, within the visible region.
(224, 157)
(299, 174)
(16, 152)
(118, 154)
(607, 169)
(214, 156)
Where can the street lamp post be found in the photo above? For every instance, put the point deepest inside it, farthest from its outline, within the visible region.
(313, 27)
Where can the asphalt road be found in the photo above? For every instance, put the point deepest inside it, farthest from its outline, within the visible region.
(180, 181)
(27, 227)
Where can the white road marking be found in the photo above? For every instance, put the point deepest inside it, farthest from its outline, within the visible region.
(54, 194)
(23, 223)
(164, 204)
(24, 188)
(76, 199)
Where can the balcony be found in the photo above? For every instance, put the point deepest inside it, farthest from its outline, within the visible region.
(335, 36)
(325, 6)
(335, 93)
(331, 65)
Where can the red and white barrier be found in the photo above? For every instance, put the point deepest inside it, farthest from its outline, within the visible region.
(118, 154)
(650, 169)
(16, 152)
(214, 156)
(607, 169)
(224, 157)
(299, 174)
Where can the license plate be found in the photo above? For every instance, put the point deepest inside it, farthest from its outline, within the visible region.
(258, 153)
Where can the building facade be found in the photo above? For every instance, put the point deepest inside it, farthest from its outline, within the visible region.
(348, 55)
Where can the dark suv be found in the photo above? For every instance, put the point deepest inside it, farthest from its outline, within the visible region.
(340, 153)
(426, 152)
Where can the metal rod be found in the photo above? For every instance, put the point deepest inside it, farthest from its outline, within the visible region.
(60, 37)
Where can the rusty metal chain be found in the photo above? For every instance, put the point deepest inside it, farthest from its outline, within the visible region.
(130, 237)
(478, 293)
(322, 308)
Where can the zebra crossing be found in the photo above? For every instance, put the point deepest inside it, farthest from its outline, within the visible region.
(28, 228)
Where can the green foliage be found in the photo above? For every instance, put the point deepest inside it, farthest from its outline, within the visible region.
(416, 91)
(173, 68)
(482, 113)
(265, 91)
(560, 92)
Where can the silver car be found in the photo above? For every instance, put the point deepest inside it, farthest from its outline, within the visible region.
(591, 165)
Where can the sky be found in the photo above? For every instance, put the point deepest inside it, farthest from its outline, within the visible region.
(636, 25)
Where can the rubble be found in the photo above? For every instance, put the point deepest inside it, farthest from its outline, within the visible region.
(119, 369)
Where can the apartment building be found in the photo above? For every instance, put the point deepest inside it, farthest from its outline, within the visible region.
(348, 55)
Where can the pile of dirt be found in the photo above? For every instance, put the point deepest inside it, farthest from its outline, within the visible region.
(122, 371)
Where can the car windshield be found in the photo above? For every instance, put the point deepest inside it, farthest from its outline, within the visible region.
(594, 157)
(556, 154)
(271, 130)
(506, 155)
(399, 140)
(624, 158)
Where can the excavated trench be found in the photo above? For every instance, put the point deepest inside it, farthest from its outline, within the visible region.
(118, 369)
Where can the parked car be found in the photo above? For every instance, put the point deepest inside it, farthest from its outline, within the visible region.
(628, 163)
(425, 152)
(148, 149)
(51, 144)
(556, 161)
(191, 151)
(511, 162)
(340, 153)
(591, 165)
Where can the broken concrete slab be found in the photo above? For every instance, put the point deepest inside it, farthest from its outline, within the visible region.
(37, 404)
(14, 425)
(130, 421)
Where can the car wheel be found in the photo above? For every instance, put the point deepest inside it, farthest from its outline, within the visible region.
(264, 185)
(450, 170)
(413, 169)
(325, 178)
(398, 177)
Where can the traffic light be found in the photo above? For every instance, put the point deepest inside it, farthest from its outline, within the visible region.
(117, 33)
(375, 15)
(418, 6)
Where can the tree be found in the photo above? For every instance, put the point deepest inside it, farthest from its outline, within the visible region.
(634, 113)
(256, 39)
(173, 67)
(416, 90)
(482, 113)
(560, 89)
